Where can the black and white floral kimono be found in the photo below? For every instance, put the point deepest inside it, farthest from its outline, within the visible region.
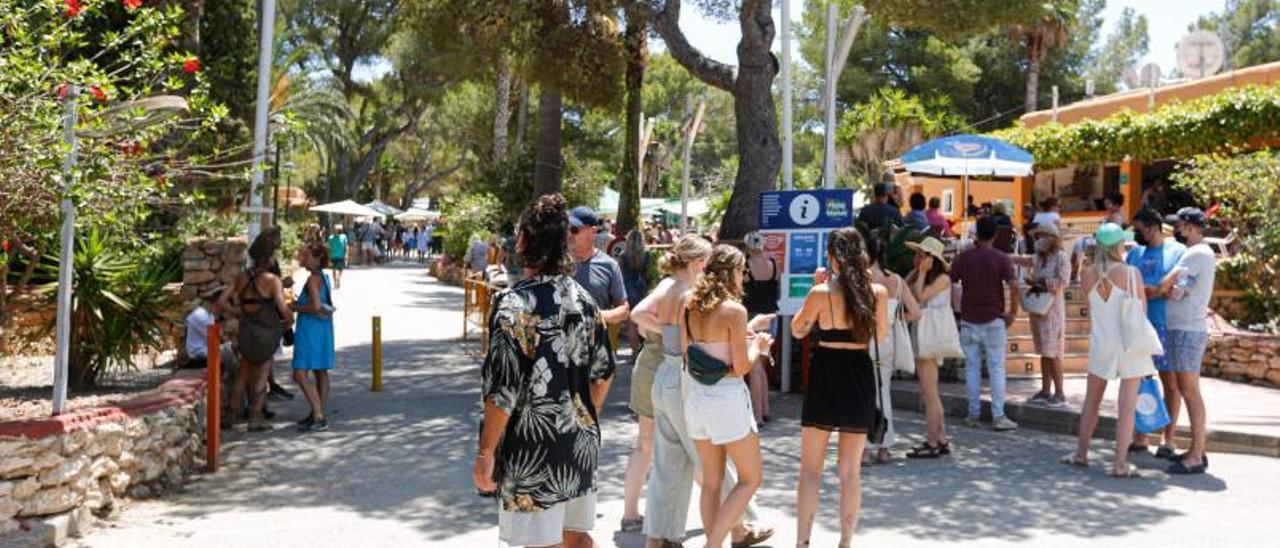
(547, 344)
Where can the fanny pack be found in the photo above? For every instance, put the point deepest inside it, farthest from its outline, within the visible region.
(700, 364)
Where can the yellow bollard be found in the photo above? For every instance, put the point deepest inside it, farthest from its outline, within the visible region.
(377, 354)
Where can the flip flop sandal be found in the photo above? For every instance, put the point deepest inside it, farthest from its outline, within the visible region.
(1166, 453)
(1130, 471)
(632, 525)
(1073, 460)
(1181, 468)
(753, 537)
(927, 451)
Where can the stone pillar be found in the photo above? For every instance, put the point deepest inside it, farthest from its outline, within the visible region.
(208, 266)
(1131, 185)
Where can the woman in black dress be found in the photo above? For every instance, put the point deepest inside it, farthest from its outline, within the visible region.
(760, 293)
(844, 309)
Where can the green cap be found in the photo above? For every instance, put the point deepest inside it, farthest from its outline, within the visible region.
(1111, 234)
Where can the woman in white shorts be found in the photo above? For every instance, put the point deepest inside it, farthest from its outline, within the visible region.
(718, 415)
(1109, 283)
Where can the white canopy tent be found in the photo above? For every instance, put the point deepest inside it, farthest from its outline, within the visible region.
(415, 215)
(348, 207)
(380, 207)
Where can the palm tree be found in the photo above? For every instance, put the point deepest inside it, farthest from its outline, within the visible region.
(1047, 29)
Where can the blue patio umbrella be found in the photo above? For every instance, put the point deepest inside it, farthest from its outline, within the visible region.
(966, 155)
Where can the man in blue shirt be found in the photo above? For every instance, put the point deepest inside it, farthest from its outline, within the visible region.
(1155, 256)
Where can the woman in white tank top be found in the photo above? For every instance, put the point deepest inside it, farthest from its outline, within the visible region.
(1109, 283)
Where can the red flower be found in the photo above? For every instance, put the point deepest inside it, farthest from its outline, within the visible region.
(132, 4)
(130, 149)
(191, 65)
(62, 90)
(71, 8)
(98, 93)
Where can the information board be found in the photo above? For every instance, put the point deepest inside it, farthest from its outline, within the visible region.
(795, 225)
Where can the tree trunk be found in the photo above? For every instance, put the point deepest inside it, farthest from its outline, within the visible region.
(637, 52)
(501, 110)
(522, 116)
(1033, 85)
(759, 150)
(546, 171)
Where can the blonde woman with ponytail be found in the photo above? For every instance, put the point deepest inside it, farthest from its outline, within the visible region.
(844, 309)
(718, 412)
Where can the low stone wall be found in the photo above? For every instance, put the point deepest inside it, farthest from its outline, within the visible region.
(90, 457)
(1244, 357)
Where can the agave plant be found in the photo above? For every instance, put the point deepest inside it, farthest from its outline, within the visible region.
(117, 308)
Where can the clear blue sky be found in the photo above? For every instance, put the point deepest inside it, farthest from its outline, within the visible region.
(1167, 23)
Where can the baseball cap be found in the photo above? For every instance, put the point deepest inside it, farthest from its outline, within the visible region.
(583, 216)
(1110, 234)
(883, 189)
(1193, 215)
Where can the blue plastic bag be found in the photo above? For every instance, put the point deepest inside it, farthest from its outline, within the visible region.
(1150, 413)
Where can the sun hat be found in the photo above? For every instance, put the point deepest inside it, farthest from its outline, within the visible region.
(931, 246)
(1110, 234)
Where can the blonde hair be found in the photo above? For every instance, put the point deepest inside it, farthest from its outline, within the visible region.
(684, 252)
(719, 281)
(1104, 257)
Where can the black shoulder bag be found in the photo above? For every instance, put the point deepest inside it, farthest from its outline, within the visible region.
(703, 367)
(879, 422)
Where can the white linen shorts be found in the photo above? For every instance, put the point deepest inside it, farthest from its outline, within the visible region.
(546, 527)
(720, 412)
(368, 246)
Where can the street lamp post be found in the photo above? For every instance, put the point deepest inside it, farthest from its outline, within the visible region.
(266, 35)
(288, 188)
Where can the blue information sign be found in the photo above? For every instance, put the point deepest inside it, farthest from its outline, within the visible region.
(802, 253)
(806, 209)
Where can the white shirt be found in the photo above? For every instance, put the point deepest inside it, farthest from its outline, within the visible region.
(1049, 217)
(1198, 268)
(198, 322)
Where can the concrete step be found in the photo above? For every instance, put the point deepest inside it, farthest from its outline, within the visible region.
(1075, 326)
(1025, 343)
(1027, 364)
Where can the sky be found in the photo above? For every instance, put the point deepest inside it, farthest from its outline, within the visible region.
(1167, 23)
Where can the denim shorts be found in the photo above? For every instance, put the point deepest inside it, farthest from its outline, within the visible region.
(1162, 361)
(1184, 351)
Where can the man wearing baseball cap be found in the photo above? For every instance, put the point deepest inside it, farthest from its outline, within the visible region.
(875, 215)
(1155, 257)
(1190, 286)
(596, 271)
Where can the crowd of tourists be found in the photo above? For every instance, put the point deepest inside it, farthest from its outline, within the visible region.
(703, 337)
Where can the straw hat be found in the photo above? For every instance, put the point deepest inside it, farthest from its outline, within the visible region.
(931, 246)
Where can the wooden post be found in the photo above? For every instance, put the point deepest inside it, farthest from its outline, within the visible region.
(1024, 194)
(1131, 185)
(213, 397)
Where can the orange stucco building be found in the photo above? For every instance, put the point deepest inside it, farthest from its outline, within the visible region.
(1081, 188)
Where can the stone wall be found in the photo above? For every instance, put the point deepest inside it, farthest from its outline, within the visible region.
(90, 457)
(27, 331)
(207, 267)
(1244, 357)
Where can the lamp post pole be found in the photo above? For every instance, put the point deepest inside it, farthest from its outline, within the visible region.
(67, 238)
(266, 35)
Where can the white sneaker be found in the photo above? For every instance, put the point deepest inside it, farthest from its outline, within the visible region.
(1003, 424)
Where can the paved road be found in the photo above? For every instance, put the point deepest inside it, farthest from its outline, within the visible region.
(395, 469)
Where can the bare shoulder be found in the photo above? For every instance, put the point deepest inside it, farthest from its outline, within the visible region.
(733, 310)
(880, 291)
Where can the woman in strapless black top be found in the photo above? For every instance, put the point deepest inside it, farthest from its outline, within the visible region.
(843, 311)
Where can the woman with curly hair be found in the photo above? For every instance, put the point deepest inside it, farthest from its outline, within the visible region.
(717, 407)
(545, 375)
(844, 310)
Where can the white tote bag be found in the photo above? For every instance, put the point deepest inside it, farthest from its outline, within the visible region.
(937, 335)
(1140, 336)
(901, 355)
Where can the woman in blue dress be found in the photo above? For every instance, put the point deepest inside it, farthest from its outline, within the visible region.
(313, 337)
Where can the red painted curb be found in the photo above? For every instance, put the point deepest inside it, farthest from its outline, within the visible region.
(185, 387)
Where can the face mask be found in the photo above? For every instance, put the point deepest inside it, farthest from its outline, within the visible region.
(1180, 237)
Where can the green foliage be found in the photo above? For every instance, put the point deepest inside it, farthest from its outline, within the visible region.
(1248, 189)
(1124, 47)
(114, 55)
(888, 125)
(1226, 121)
(466, 215)
(897, 257)
(953, 18)
(118, 308)
(203, 223)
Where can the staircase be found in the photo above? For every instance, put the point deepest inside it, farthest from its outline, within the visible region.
(1021, 359)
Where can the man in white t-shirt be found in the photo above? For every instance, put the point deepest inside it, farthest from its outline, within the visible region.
(1190, 286)
(197, 345)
